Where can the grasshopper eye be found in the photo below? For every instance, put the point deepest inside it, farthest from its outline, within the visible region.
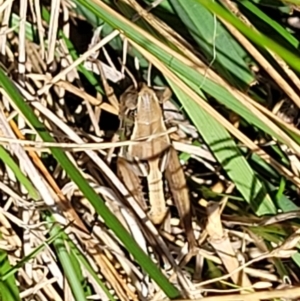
(131, 106)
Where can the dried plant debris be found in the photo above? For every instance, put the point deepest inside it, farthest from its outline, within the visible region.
(141, 161)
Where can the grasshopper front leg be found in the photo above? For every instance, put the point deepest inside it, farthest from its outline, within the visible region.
(177, 184)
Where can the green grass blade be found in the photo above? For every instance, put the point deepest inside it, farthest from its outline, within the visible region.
(8, 288)
(80, 257)
(69, 263)
(258, 38)
(9, 161)
(269, 22)
(32, 254)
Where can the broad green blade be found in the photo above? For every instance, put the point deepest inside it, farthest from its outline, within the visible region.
(221, 49)
(228, 155)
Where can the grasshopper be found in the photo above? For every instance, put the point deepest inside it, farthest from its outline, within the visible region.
(156, 160)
